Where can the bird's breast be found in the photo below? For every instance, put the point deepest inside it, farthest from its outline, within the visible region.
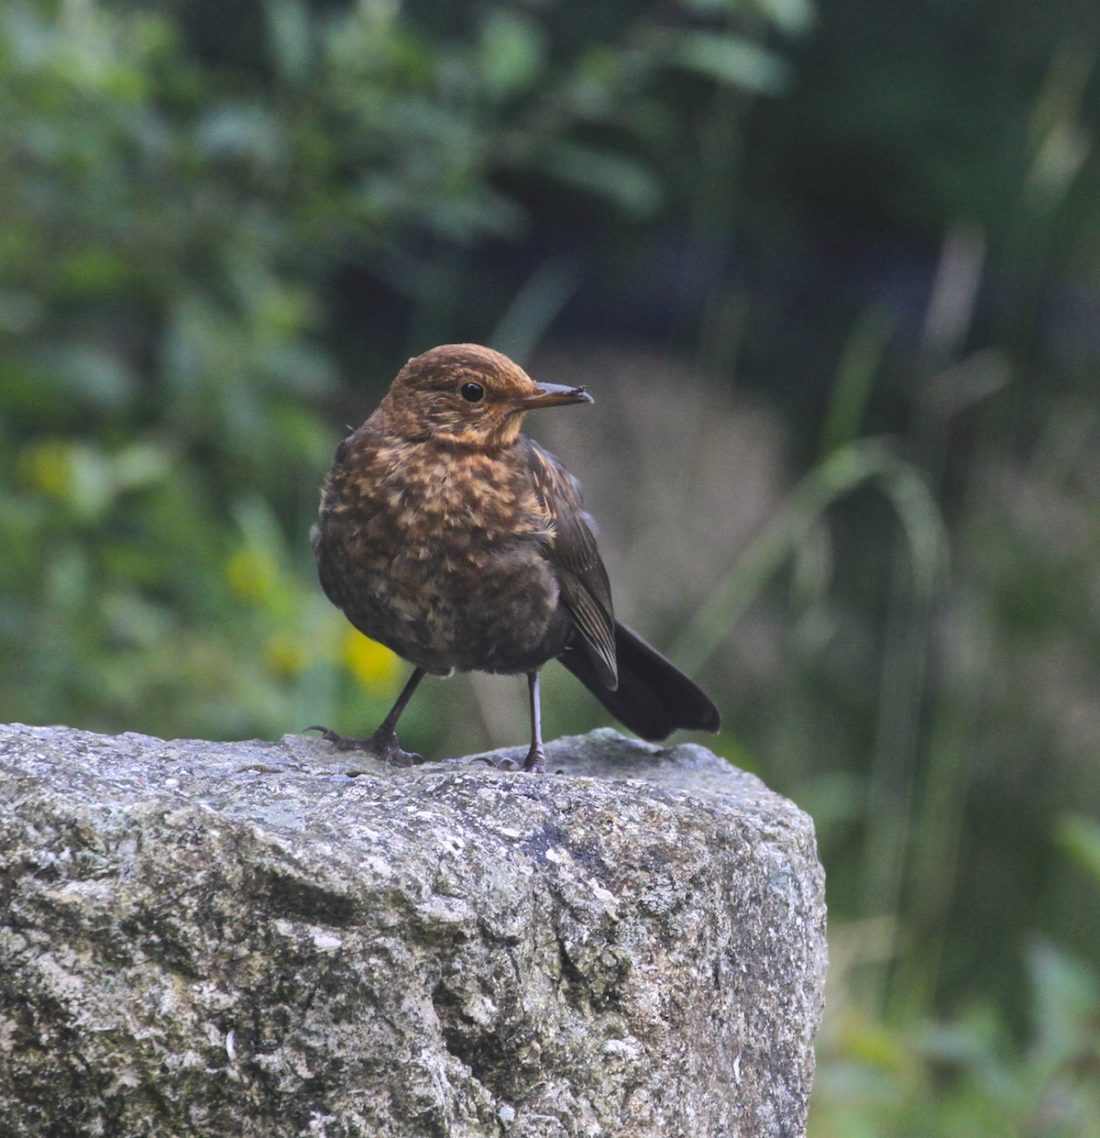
(442, 556)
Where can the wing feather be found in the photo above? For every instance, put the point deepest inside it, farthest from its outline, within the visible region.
(574, 553)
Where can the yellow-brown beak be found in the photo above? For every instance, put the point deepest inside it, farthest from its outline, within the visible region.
(553, 395)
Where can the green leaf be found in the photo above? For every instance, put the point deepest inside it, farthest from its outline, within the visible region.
(730, 60)
(511, 53)
(1079, 836)
(622, 181)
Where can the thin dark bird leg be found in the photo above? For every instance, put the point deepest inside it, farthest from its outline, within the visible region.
(386, 735)
(536, 756)
(383, 742)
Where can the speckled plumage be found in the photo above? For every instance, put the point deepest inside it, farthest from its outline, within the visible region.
(441, 554)
(459, 543)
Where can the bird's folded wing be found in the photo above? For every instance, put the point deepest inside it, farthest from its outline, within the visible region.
(574, 554)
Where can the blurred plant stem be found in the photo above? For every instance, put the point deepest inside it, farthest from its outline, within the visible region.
(864, 462)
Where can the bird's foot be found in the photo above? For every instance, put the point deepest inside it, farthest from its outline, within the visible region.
(535, 762)
(382, 745)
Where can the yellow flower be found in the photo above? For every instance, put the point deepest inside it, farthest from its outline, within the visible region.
(374, 666)
(285, 655)
(48, 467)
(252, 573)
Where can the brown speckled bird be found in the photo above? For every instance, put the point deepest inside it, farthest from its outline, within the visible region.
(459, 543)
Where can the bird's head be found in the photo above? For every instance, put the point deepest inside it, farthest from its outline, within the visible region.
(467, 395)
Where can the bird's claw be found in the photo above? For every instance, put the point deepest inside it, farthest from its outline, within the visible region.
(499, 763)
(535, 761)
(488, 760)
(340, 742)
(382, 745)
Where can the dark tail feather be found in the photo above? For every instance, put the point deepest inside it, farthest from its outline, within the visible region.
(654, 697)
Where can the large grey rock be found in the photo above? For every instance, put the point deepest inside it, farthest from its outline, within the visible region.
(240, 939)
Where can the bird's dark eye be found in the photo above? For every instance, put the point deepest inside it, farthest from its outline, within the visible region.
(472, 392)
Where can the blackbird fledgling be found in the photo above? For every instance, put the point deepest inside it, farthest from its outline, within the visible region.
(459, 543)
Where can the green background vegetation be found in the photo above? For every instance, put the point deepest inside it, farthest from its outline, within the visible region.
(833, 274)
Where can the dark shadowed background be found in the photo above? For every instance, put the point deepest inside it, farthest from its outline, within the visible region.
(832, 272)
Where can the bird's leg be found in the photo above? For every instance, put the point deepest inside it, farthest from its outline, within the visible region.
(383, 743)
(536, 756)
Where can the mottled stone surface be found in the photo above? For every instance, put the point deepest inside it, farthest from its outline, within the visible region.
(240, 939)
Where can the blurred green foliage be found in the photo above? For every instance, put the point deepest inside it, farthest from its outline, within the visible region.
(969, 1075)
(184, 192)
(222, 226)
